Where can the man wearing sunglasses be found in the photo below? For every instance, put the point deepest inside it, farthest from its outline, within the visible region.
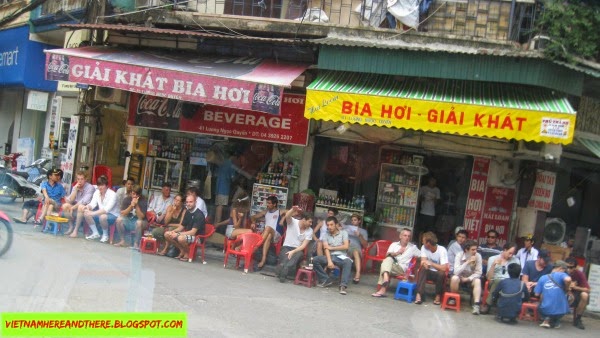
(580, 289)
(533, 270)
(491, 241)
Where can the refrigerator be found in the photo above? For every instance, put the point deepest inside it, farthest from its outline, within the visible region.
(166, 170)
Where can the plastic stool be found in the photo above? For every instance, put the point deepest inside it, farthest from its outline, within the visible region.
(55, 222)
(406, 291)
(447, 297)
(529, 306)
(306, 277)
(149, 245)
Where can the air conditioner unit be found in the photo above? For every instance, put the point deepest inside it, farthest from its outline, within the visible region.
(529, 148)
(110, 95)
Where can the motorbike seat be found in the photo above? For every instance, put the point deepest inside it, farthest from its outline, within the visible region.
(23, 174)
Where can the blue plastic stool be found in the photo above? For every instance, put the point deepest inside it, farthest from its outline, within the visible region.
(406, 291)
(53, 223)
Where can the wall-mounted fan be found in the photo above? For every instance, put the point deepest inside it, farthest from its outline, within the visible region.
(554, 231)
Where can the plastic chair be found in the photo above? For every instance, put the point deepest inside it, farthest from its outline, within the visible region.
(381, 248)
(100, 170)
(249, 242)
(200, 240)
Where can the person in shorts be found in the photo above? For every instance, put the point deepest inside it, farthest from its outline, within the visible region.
(133, 216)
(358, 238)
(193, 224)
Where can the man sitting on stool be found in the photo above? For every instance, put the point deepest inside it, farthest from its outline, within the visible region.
(467, 269)
(434, 264)
(580, 289)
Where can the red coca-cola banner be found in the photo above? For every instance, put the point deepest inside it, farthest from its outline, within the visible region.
(290, 127)
(476, 197)
(496, 212)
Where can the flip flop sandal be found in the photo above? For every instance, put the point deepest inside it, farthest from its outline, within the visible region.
(437, 302)
(356, 280)
(17, 220)
(378, 295)
(184, 259)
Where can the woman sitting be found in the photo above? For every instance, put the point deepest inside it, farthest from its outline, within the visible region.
(173, 217)
(238, 217)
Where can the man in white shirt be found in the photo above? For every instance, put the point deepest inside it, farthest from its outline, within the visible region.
(528, 252)
(102, 209)
(468, 269)
(396, 263)
(270, 235)
(297, 237)
(456, 247)
(429, 196)
(434, 266)
(158, 204)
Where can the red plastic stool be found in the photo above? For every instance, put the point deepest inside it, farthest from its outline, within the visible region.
(529, 306)
(149, 245)
(306, 277)
(447, 297)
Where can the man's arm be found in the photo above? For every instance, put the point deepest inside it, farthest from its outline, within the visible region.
(258, 215)
(88, 194)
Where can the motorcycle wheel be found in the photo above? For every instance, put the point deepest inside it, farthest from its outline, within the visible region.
(6, 236)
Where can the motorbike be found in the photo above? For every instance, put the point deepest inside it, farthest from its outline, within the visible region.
(6, 233)
(13, 184)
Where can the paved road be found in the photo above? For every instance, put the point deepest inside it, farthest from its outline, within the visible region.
(46, 273)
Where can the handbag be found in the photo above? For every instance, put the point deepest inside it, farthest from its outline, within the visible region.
(570, 296)
(172, 252)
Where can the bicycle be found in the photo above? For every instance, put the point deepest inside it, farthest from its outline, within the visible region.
(6, 233)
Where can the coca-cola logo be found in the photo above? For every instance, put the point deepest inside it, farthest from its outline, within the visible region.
(271, 100)
(58, 68)
(158, 106)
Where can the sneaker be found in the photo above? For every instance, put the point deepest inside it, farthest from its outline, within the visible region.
(476, 309)
(92, 237)
(283, 274)
(579, 324)
(343, 290)
(104, 239)
(325, 283)
(545, 325)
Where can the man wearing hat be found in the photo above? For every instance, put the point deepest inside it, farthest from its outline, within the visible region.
(528, 252)
(533, 270)
(53, 192)
(552, 290)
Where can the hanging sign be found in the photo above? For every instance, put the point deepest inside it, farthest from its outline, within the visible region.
(290, 127)
(476, 196)
(543, 191)
(496, 212)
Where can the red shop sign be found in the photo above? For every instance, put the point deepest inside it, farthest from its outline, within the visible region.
(290, 127)
(476, 197)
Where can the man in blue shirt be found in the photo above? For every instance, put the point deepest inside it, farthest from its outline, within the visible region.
(52, 193)
(533, 270)
(551, 289)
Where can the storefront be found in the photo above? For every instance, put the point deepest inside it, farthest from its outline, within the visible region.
(24, 93)
(461, 133)
(181, 105)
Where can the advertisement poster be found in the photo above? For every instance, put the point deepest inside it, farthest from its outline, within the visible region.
(25, 146)
(290, 127)
(496, 212)
(476, 196)
(69, 160)
(543, 191)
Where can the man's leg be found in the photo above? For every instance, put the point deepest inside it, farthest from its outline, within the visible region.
(454, 283)
(78, 220)
(421, 281)
(292, 263)
(346, 266)
(183, 245)
(319, 264)
(91, 221)
(267, 236)
(439, 279)
(476, 284)
(582, 300)
(120, 227)
(356, 255)
(104, 222)
(281, 269)
(137, 236)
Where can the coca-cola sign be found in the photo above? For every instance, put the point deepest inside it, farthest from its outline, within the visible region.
(157, 112)
(58, 67)
(290, 127)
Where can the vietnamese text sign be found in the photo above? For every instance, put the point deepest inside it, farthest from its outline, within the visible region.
(476, 196)
(496, 212)
(594, 281)
(436, 116)
(543, 191)
(236, 82)
(159, 113)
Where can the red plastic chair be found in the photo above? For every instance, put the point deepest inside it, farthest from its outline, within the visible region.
(381, 248)
(209, 230)
(100, 170)
(249, 243)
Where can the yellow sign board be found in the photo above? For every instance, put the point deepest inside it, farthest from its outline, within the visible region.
(443, 117)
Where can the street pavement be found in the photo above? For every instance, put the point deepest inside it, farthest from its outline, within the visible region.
(44, 273)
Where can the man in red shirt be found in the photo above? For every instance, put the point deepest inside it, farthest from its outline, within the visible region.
(580, 290)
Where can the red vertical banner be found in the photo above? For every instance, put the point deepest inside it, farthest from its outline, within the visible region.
(476, 197)
(496, 212)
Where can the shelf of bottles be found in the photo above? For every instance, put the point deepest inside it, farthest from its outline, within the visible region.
(356, 203)
(260, 193)
(278, 174)
(397, 197)
(166, 170)
(174, 148)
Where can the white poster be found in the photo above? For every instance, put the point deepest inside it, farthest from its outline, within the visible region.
(25, 146)
(37, 100)
(69, 161)
(543, 191)
(594, 281)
